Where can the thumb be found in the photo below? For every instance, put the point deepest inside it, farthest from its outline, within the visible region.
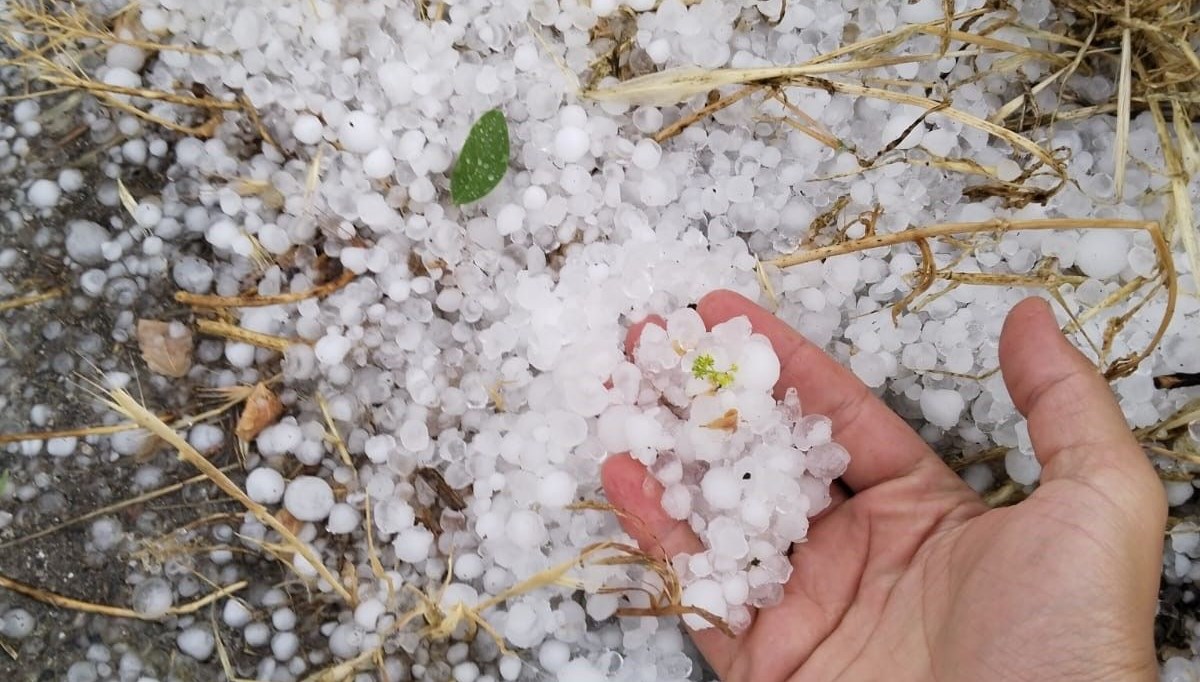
(1075, 423)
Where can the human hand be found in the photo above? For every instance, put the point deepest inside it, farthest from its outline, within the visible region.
(908, 575)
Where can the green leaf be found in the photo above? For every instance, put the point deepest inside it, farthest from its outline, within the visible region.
(3, 482)
(483, 160)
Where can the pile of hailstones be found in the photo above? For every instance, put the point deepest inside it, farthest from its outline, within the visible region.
(745, 471)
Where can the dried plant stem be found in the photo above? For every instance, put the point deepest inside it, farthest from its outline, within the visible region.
(1064, 73)
(1119, 368)
(124, 403)
(679, 84)
(253, 301)
(145, 497)
(30, 299)
(62, 602)
(79, 432)
(71, 82)
(236, 333)
(677, 127)
(235, 398)
(950, 229)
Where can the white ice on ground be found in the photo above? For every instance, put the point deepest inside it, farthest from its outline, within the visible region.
(486, 341)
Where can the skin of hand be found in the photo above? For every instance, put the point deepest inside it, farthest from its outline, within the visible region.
(908, 575)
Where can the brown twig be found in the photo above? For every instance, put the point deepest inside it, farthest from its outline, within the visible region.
(125, 404)
(30, 299)
(236, 333)
(62, 602)
(253, 301)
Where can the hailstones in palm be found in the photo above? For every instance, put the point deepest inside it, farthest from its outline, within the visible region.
(745, 470)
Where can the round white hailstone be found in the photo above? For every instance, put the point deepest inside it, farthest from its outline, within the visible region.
(367, 613)
(82, 671)
(264, 485)
(308, 498)
(332, 348)
(896, 125)
(510, 667)
(414, 435)
(343, 519)
(278, 439)
(283, 618)
(147, 215)
(257, 634)
(25, 111)
(534, 198)
(379, 163)
(571, 144)
(223, 234)
(308, 129)
(827, 461)
(942, 407)
(979, 477)
(677, 501)
(153, 597)
(206, 437)
(106, 534)
(60, 447)
(412, 145)
(604, 8)
(659, 50)
(726, 538)
(197, 642)
(510, 218)
(379, 448)
(17, 624)
(246, 29)
(468, 567)
(85, 240)
(412, 544)
(525, 529)
(1178, 492)
(646, 154)
(359, 132)
(556, 489)
(721, 488)
(346, 640)
(190, 273)
(70, 180)
(642, 431)
(235, 614)
(736, 589)
(921, 11)
(125, 57)
(1102, 253)
(553, 655)
(1022, 468)
(284, 645)
(466, 672)
(758, 366)
(44, 193)
(705, 594)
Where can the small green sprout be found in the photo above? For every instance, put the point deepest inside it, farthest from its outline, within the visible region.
(3, 482)
(704, 367)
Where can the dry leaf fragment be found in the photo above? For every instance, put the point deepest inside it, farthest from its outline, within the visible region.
(166, 347)
(262, 409)
(726, 422)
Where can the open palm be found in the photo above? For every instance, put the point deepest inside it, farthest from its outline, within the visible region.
(909, 576)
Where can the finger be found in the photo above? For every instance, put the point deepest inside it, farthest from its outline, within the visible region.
(1077, 428)
(632, 490)
(882, 447)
